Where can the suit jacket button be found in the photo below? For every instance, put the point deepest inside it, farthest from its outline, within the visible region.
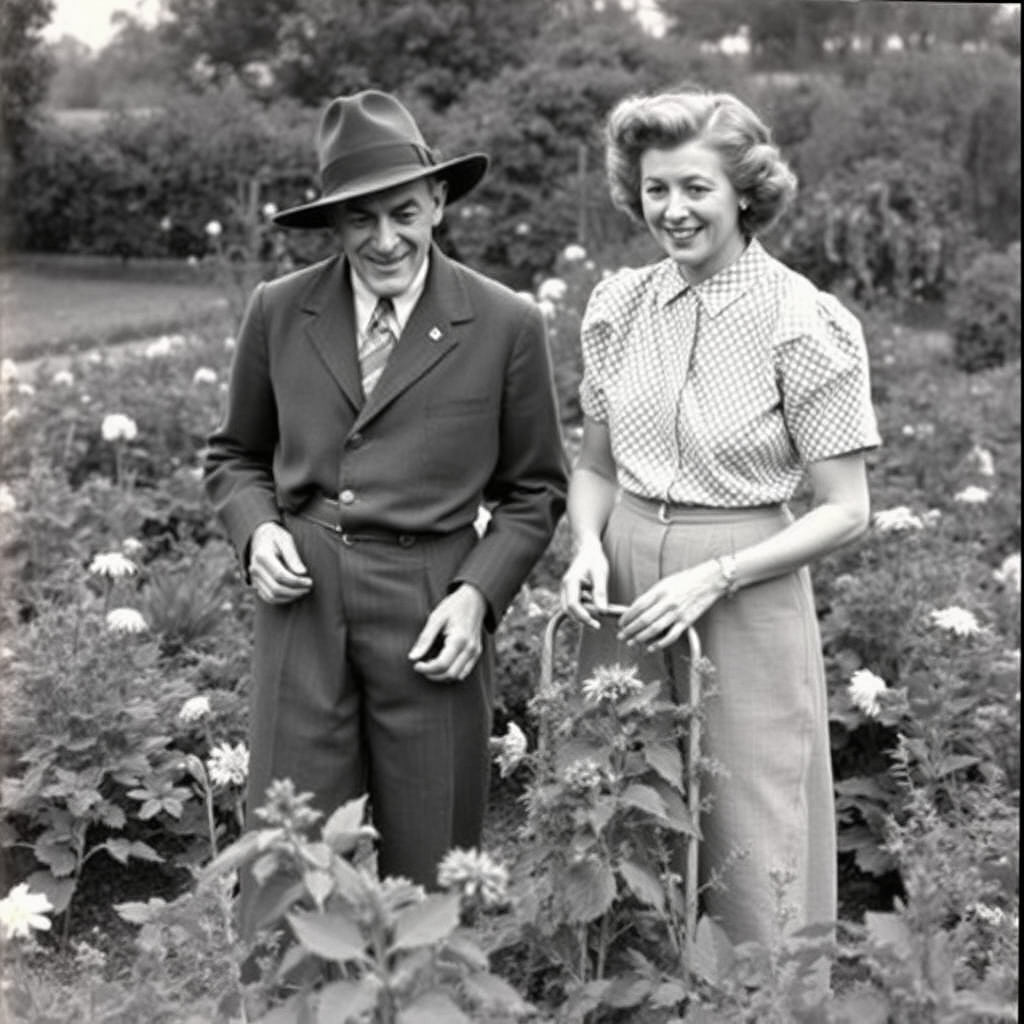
(355, 440)
(347, 497)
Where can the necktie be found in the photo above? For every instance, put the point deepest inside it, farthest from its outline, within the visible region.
(377, 343)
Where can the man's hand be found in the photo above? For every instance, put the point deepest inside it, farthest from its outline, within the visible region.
(275, 569)
(450, 642)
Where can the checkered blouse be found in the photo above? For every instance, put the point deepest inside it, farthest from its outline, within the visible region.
(720, 394)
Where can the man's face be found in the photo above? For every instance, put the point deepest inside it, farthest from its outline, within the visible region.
(386, 235)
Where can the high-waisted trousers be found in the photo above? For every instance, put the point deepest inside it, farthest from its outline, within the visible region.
(337, 707)
(769, 833)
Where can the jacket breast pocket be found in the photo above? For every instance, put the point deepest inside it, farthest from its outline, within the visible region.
(458, 407)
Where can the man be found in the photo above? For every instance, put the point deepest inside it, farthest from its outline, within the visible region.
(360, 440)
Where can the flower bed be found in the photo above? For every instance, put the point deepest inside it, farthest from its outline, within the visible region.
(124, 720)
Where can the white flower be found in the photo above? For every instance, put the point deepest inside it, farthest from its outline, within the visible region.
(610, 683)
(983, 457)
(510, 749)
(227, 765)
(547, 307)
(522, 228)
(1008, 574)
(269, 210)
(574, 253)
(475, 874)
(310, 194)
(553, 289)
(22, 910)
(113, 565)
(26, 390)
(117, 427)
(972, 495)
(7, 501)
(8, 371)
(583, 774)
(864, 689)
(932, 516)
(64, 378)
(204, 375)
(166, 224)
(195, 709)
(213, 229)
(957, 620)
(126, 620)
(229, 343)
(897, 520)
(132, 547)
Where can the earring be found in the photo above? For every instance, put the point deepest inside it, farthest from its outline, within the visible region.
(744, 205)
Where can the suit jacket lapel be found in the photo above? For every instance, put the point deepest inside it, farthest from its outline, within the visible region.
(430, 334)
(331, 328)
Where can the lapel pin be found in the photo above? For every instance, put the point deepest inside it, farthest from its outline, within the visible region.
(434, 334)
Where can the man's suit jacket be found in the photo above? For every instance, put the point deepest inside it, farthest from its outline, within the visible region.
(464, 413)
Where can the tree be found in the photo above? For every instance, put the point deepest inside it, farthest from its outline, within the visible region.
(25, 68)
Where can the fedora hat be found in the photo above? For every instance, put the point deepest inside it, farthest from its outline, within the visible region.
(369, 142)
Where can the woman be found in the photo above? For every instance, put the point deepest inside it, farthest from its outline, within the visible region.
(715, 382)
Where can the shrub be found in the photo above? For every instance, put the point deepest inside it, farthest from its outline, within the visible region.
(985, 311)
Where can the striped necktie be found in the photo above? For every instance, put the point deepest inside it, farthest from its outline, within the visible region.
(377, 343)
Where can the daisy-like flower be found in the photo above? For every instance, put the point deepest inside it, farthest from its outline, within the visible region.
(132, 547)
(7, 500)
(228, 765)
(113, 565)
(118, 427)
(126, 620)
(1008, 574)
(864, 689)
(897, 520)
(195, 709)
(957, 620)
(213, 229)
(583, 775)
(283, 806)
(166, 224)
(553, 289)
(21, 911)
(982, 458)
(522, 229)
(476, 874)
(574, 253)
(64, 378)
(972, 495)
(204, 375)
(510, 749)
(610, 683)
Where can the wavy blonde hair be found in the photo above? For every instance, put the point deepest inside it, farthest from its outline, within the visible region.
(750, 160)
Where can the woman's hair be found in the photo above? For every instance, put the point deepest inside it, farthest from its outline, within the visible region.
(719, 120)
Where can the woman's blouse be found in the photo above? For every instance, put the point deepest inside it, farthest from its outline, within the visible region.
(722, 393)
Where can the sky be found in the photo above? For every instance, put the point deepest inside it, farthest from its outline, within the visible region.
(89, 20)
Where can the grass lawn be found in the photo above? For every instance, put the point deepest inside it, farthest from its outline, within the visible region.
(46, 310)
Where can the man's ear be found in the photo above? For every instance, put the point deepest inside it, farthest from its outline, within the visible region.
(440, 193)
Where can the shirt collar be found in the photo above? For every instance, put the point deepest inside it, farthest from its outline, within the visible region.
(366, 301)
(719, 291)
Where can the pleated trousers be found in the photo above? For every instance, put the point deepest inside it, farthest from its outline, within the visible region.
(337, 708)
(768, 846)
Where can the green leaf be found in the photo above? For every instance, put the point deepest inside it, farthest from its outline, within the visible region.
(425, 923)
(342, 1001)
(488, 990)
(713, 954)
(58, 857)
(667, 760)
(432, 1008)
(237, 854)
(644, 886)
(331, 936)
(589, 890)
(57, 890)
(319, 885)
(889, 930)
(140, 913)
(345, 827)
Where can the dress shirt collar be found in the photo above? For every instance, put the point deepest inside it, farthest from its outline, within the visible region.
(366, 301)
(718, 291)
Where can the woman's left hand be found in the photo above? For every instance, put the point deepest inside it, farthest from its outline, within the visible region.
(660, 615)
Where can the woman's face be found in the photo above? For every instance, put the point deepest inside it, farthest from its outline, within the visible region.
(691, 208)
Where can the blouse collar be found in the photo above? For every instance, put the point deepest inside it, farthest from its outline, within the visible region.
(720, 290)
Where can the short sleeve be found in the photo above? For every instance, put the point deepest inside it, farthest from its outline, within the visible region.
(596, 339)
(825, 382)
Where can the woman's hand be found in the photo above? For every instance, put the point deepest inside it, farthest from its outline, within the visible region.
(662, 614)
(586, 580)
